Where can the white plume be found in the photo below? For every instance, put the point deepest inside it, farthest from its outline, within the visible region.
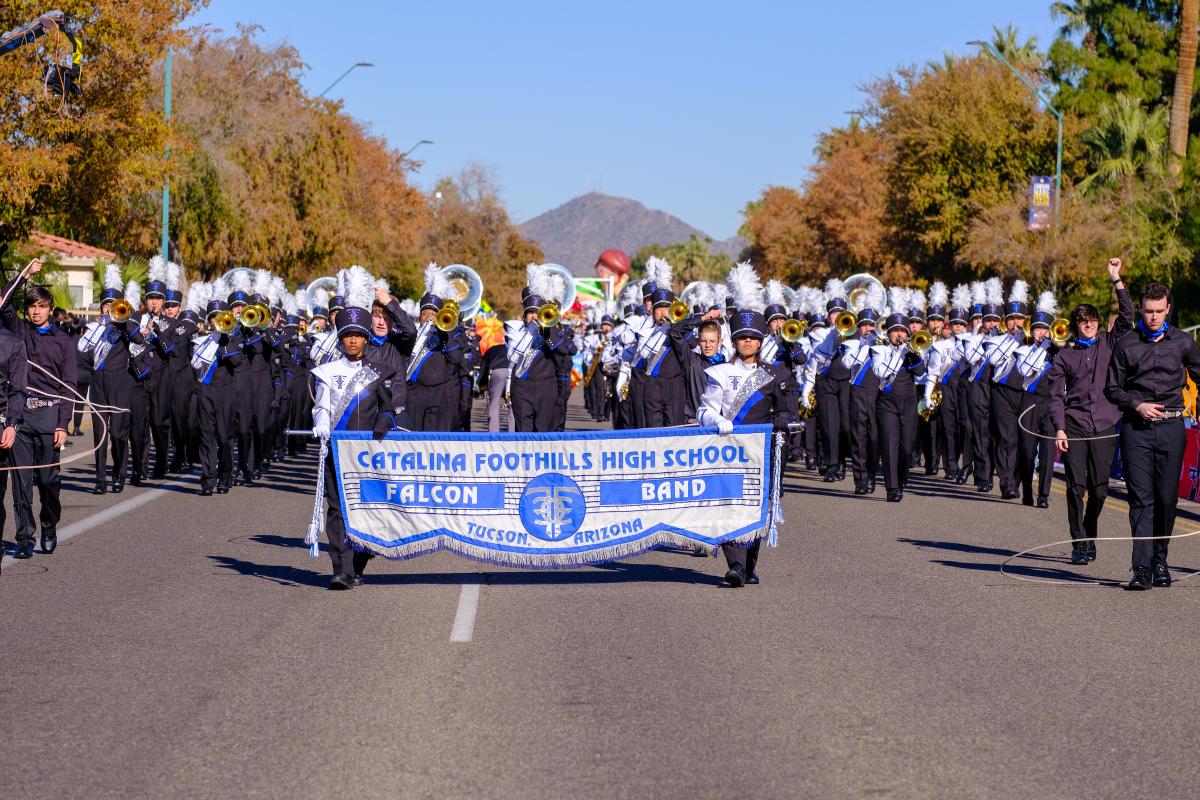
(220, 289)
(745, 288)
(549, 286)
(962, 297)
(631, 295)
(199, 296)
(834, 288)
(436, 283)
(288, 301)
(659, 272)
(773, 295)
(1047, 303)
(703, 296)
(339, 282)
(874, 299)
(262, 282)
(381, 283)
(410, 307)
(133, 293)
(994, 291)
(898, 299)
(112, 277)
(916, 300)
(359, 287)
(157, 269)
(240, 282)
(174, 277)
(320, 299)
(978, 294)
(938, 296)
(720, 295)
(278, 292)
(301, 302)
(531, 273)
(1019, 292)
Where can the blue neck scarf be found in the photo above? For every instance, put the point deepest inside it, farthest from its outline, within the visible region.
(716, 359)
(1151, 334)
(1081, 342)
(43, 329)
(378, 340)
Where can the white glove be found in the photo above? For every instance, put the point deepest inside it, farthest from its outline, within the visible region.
(622, 379)
(724, 426)
(806, 397)
(321, 431)
(929, 392)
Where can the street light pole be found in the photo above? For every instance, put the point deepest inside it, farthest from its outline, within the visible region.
(408, 152)
(166, 194)
(344, 74)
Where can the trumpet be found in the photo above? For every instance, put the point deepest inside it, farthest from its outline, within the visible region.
(120, 310)
(678, 311)
(446, 318)
(253, 316)
(920, 342)
(547, 315)
(793, 329)
(928, 410)
(1060, 332)
(845, 324)
(224, 322)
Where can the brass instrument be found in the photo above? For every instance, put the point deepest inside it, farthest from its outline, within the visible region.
(303, 327)
(793, 329)
(678, 311)
(845, 324)
(468, 289)
(548, 314)
(446, 318)
(928, 411)
(1028, 330)
(920, 342)
(587, 379)
(1060, 332)
(252, 316)
(807, 413)
(858, 287)
(224, 322)
(120, 310)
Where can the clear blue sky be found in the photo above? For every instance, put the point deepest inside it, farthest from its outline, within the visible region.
(689, 107)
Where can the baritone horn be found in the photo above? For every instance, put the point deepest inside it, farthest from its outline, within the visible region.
(446, 318)
(920, 342)
(793, 329)
(845, 324)
(1060, 332)
(224, 322)
(253, 316)
(120, 310)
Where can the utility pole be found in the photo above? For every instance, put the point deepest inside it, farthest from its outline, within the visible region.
(166, 197)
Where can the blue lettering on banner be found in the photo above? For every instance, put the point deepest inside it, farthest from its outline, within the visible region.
(431, 494)
(652, 491)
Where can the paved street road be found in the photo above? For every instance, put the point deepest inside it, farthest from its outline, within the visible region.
(186, 647)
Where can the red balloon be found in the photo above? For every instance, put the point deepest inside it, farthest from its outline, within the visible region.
(615, 260)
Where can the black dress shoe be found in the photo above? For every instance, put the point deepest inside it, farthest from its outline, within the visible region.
(135, 479)
(206, 491)
(809, 463)
(986, 486)
(1162, 575)
(99, 489)
(1079, 556)
(77, 432)
(861, 488)
(931, 470)
(356, 580)
(258, 473)
(735, 576)
(830, 475)
(962, 476)
(24, 550)
(341, 582)
(841, 472)
(894, 495)
(752, 580)
(49, 541)
(1140, 580)
(118, 487)
(247, 478)
(1091, 550)
(870, 487)
(1043, 502)
(159, 474)
(951, 475)
(222, 488)
(1009, 495)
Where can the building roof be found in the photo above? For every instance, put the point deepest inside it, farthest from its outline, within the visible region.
(69, 248)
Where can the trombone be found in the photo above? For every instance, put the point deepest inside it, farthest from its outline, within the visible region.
(1060, 332)
(446, 318)
(845, 324)
(120, 310)
(920, 342)
(255, 315)
(793, 329)
(224, 322)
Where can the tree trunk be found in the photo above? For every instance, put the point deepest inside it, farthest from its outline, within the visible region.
(1185, 73)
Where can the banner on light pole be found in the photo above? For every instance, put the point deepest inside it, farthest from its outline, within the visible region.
(1041, 202)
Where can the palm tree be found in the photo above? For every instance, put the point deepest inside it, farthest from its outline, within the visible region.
(1020, 54)
(1076, 19)
(1126, 142)
(1185, 74)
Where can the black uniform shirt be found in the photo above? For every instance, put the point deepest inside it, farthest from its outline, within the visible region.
(1144, 371)
(51, 348)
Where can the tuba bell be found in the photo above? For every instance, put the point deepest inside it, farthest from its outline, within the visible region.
(1060, 332)
(468, 289)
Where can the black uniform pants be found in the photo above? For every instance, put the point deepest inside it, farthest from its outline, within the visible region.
(745, 556)
(139, 426)
(662, 401)
(637, 399)
(1152, 454)
(254, 407)
(979, 394)
(897, 417)
(1087, 466)
(159, 388)
(216, 407)
(535, 405)
(1006, 407)
(833, 416)
(949, 428)
(1037, 452)
(864, 432)
(111, 389)
(35, 445)
(434, 408)
(183, 425)
(346, 560)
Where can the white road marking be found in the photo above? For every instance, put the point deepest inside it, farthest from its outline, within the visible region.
(464, 618)
(109, 514)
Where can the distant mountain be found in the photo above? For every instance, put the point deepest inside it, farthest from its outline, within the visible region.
(578, 231)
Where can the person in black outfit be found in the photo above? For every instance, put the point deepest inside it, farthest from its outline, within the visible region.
(435, 365)
(663, 390)
(14, 378)
(215, 362)
(158, 381)
(42, 431)
(1146, 378)
(1084, 419)
(833, 399)
(534, 393)
(895, 364)
(173, 343)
